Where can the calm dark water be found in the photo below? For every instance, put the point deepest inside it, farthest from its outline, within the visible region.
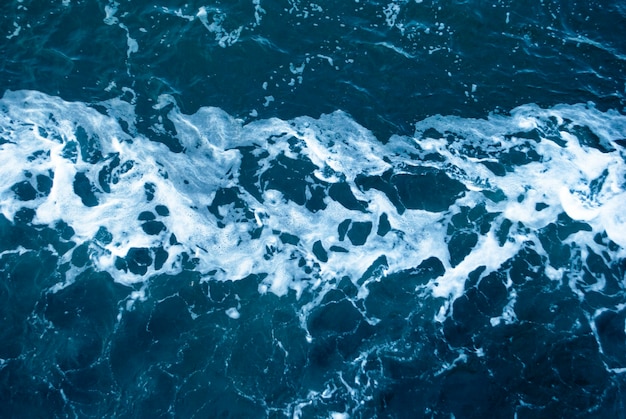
(312, 209)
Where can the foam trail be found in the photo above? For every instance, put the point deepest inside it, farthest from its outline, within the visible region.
(224, 206)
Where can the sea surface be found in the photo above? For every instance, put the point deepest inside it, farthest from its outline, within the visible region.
(313, 209)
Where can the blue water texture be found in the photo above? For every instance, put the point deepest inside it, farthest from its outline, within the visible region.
(312, 209)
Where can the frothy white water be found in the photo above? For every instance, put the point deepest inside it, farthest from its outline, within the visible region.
(256, 198)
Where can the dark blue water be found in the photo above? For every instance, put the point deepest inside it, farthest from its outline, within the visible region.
(296, 209)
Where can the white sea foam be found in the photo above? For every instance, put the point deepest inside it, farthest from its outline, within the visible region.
(571, 175)
(213, 19)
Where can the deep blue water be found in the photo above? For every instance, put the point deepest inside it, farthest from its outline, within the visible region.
(351, 209)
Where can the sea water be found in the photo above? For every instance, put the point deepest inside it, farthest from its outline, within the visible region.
(406, 208)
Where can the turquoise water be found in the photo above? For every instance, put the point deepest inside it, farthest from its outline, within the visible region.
(309, 209)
